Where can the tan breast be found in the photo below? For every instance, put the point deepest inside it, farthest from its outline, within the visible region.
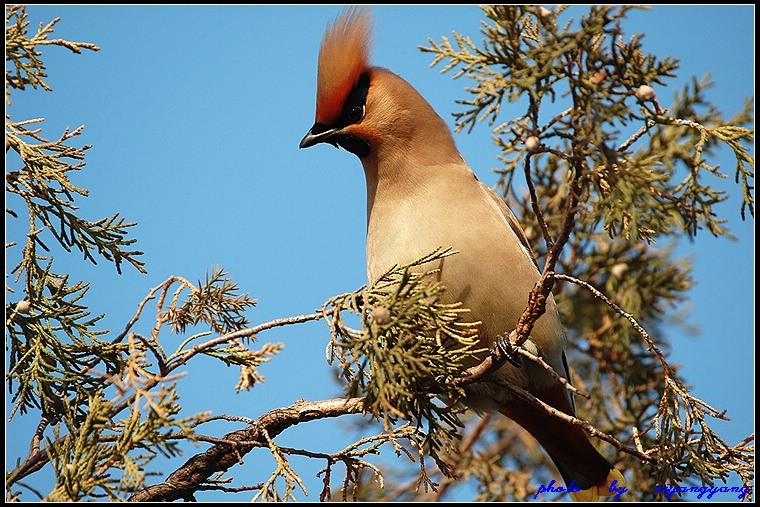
(491, 275)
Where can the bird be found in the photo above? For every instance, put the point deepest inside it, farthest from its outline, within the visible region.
(422, 195)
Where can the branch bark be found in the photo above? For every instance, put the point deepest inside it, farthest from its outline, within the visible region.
(185, 481)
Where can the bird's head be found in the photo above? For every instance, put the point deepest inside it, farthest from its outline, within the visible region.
(343, 82)
(366, 109)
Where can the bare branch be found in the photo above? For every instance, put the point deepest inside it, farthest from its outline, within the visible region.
(536, 208)
(568, 418)
(220, 457)
(37, 460)
(540, 293)
(214, 486)
(34, 447)
(636, 135)
(562, 380)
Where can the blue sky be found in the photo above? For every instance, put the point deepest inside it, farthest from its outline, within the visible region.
(195, 114)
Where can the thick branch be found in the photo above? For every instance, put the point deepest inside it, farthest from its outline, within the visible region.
(189, 478)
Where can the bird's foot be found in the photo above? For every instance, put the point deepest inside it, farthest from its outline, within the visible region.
(502, 348)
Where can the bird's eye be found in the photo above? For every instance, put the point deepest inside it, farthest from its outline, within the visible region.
(355, 114)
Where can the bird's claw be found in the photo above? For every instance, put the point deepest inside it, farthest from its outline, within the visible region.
(503, 347)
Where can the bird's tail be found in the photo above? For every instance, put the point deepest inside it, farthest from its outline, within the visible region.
(608, 488)
(586, 473)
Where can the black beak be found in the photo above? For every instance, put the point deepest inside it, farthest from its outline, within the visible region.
(318, 134)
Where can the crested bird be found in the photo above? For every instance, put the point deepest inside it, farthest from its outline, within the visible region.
(422, 195)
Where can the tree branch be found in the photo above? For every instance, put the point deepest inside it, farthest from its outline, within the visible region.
(189, 478)
(536, 209)
(540, 293)
(243, 333)
(568, 418)
(37, 460)
(648, 339)
(559, 378)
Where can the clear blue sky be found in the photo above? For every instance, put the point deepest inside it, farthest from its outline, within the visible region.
(195, 114)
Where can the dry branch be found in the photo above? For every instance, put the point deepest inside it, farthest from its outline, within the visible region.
(185, 481)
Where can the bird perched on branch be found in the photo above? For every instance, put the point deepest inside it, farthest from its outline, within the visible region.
(422, 195)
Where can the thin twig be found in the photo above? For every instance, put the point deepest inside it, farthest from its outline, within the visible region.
(225, 417)
(650, 343)
(39, 459)
(541, 291)
(636, 135)
(568, 418)
(554, 120)
(496, 359)
(671, 383)
(562, 380)
(33, 490)
(536, 209)
(244, 333)
(140, 306)
(70, 45)
(173, 365)
(660, 120)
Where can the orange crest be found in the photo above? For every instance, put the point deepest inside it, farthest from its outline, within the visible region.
(343, 57)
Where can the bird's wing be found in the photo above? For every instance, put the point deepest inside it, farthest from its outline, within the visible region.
(511, 220)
